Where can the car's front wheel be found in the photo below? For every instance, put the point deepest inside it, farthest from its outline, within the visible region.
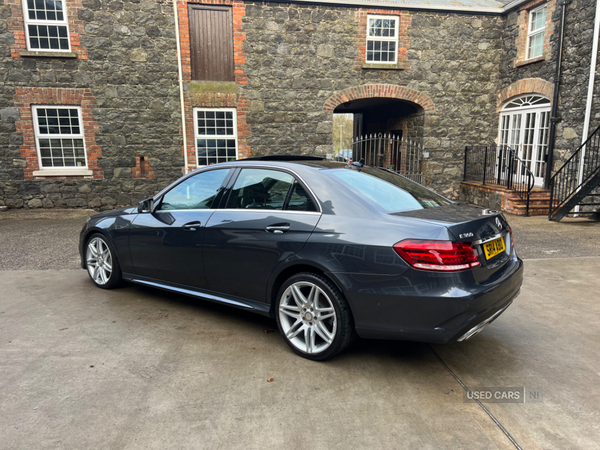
(101, 262)
(313, 317)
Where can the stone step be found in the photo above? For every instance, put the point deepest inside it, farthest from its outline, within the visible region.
(521, 210)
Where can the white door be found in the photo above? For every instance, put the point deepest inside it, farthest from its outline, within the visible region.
(524, 126)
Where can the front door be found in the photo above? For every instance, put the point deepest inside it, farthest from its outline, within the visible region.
(524, 127)
(166, 245)
(268, 218)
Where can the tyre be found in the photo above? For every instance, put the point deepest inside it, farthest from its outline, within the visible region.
(102, 263)
(313, 317)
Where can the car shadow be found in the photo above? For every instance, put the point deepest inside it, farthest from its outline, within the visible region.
(460, 356)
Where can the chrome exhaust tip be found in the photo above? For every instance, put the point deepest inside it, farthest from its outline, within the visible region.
(478, 328)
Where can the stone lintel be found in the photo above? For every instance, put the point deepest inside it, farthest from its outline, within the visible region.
(227, 87)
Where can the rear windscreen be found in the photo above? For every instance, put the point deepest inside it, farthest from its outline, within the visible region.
(388, 190)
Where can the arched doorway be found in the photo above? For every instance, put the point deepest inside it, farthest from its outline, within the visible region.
(388, 125)
(383, 108)
(524, 127)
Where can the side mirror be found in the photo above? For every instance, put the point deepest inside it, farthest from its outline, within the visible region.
(146, 206)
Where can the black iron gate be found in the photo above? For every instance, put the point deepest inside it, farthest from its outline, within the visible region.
(392, 152)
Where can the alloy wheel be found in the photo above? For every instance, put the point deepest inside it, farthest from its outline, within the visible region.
(307, 317)
(99, 261)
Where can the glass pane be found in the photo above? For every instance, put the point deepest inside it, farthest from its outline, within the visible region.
(538, 19)
(196, 192)
(536, 45)
(388, 190)
(300, 200)
(260, 189)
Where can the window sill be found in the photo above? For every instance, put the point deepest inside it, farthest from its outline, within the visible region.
(399, 66)
(43, 54)
(530, 61)
(63, 173)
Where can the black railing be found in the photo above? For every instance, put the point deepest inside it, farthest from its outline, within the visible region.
(392, 152)
(577, 171)
(499, 165)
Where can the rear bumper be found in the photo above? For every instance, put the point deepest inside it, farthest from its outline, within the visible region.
(442, 308)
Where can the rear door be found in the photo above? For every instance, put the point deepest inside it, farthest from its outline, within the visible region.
(268, 217)
(167, 244)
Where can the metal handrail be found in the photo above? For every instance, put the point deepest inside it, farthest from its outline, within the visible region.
(499, 165)
(565, 182)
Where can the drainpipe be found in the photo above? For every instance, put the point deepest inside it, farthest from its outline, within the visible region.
(590, 95)
(181, 97)
(553, 114)
(588, 105)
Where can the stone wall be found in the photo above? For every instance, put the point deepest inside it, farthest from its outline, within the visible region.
(294, 58)
(482, 196)
(298, 56)
(577, 45)
(130, 68)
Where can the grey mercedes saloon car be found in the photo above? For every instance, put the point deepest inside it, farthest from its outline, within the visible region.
(329, 250)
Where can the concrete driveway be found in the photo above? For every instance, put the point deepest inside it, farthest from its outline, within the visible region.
(138, 368)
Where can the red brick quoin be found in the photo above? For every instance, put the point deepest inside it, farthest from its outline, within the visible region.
(215, 99)
(25, 98)
(16, 24)
(142, 168)
(405, 19)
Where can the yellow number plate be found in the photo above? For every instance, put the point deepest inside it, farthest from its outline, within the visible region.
(494, 248)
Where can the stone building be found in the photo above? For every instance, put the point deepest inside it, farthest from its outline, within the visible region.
(92, 91)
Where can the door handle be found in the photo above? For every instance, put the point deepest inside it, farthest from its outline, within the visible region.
(278, 228)
(191, 226)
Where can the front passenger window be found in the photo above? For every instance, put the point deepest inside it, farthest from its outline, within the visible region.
(197, 192)
(260, 189)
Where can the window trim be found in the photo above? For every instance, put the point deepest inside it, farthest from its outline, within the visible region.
(27, 21)
(537, 110)
(38, 135)
(532, 33)
(396, 20)
(197, 136)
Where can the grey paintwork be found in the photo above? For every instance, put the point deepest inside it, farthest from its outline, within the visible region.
(350, 240)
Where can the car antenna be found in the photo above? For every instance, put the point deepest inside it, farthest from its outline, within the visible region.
(359, 164)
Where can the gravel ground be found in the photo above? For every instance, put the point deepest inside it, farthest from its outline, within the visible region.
(48, 239)
(40, 239)
(538, 238)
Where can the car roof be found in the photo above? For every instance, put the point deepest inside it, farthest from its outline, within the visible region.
(314, 164)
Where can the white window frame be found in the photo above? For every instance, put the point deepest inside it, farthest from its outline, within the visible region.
(394, 39)
(27, 21)
(533, 33)
(515, 138)
(215, 136)
(39, 136)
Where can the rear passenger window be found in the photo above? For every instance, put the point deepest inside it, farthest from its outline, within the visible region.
(260, 189)
(300, 200)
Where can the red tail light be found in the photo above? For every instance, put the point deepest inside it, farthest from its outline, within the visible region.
(442, 256)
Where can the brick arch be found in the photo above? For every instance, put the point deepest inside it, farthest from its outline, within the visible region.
(525, 86)
(379, 90)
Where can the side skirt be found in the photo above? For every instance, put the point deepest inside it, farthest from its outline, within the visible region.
(236, 302)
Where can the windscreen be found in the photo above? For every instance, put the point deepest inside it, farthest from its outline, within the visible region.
(388, 190)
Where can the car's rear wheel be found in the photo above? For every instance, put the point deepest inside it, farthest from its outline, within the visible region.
(101, 262)
(313, 317)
